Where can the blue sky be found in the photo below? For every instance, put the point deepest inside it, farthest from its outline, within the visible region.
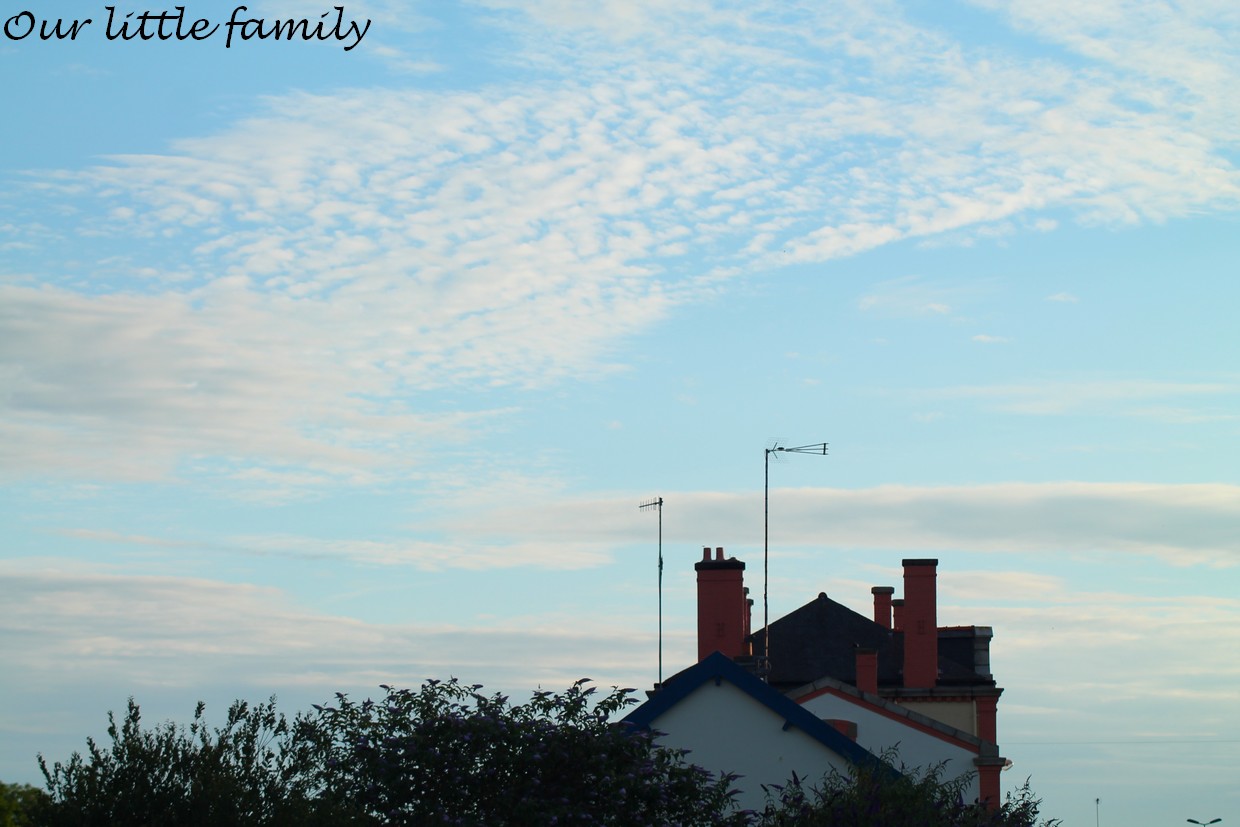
(325, 369)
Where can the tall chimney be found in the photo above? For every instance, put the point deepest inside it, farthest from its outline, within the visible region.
(921, 629)
(897, 614)
(723, 606)
(882, 605)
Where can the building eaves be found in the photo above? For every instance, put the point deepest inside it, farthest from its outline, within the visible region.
(717, 667)
(889, 708)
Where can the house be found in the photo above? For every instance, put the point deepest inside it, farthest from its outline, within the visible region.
(731, 721)
(893, 680)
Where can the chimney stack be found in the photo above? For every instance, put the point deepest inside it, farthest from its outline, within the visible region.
(867, 670)
(882, 605)
(921, 629)
(723, 605)
(897, 615)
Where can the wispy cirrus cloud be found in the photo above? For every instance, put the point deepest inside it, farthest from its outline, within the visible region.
(80, 639)
(1181, 524)
(1184, 524)
(148, 630)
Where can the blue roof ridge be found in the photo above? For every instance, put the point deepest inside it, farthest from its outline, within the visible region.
(718, 667)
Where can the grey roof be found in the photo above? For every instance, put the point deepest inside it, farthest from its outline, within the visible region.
(821, 639)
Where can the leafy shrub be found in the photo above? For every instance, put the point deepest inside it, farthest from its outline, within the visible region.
(875, 795)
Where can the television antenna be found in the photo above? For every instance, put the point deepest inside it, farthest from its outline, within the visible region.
(820, 448)
(657, 504)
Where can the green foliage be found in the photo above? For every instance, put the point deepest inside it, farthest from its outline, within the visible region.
(875, 796)
(450, 755)
(445, 754)
(19, 804)
(241, 773)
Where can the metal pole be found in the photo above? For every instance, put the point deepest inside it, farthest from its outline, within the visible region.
(764, 668)
(660, 591)
(816, 448)
(657, 502)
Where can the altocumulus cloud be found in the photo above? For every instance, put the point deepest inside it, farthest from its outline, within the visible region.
(350, 251)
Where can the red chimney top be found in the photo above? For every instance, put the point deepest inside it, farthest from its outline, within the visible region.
(723, 606)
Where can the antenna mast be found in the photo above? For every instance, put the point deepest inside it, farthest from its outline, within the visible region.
(764, 666)
(657, 504)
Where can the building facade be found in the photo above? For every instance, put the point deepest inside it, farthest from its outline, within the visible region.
(895, 680)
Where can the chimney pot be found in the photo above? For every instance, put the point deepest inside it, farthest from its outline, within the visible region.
(719, 553)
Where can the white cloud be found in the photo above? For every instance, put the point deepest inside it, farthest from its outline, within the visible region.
(130, 385)
(179, 631)
(306, 272)
(529, 524)
(1182, 524)
(987, 339)
(81, 639)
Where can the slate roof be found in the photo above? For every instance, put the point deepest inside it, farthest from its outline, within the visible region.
(820, 639)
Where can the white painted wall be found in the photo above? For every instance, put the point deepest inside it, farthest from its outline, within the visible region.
(877, 732)
(729, 731)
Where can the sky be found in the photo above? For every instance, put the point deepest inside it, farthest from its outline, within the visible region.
(327, 367)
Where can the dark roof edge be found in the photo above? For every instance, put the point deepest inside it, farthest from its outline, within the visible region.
(719, 667)
(888, 706)
(715, 565)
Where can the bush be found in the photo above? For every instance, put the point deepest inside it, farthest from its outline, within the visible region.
(20, 804)
(444, 754)
(450, 755)
(245, 772)
(876, 795)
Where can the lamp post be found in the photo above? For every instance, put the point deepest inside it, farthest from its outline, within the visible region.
(764, 667)
(1211, 821)
(657, 503)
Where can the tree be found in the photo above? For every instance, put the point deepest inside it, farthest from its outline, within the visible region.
(248, 771)
(19, 804)
(445, 754)
(448, 754)
(874, 795)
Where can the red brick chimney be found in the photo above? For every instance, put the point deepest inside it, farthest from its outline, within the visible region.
(897, 614)
(882, 605)
(723, 605)
(867, 670)
(921, 630)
